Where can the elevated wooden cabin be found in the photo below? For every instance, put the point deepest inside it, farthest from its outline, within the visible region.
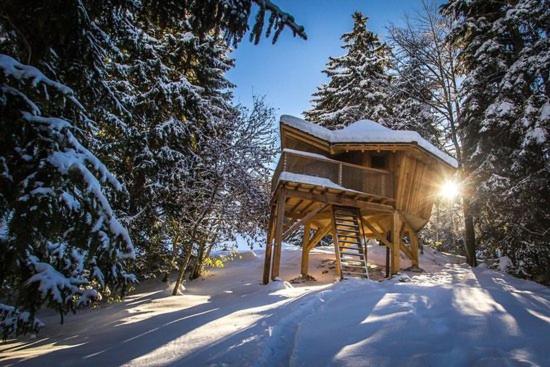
(364, 181)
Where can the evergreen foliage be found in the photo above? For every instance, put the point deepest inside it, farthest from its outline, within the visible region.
(358, 81)
(62, 243)
(410, 92)
(138, 87)
(505, 56)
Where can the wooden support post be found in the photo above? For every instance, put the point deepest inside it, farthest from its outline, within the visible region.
(305, 250)
(336, 247)
(268, 246)
(396, 241)
(278, 234)
(414, 248)
(388, 254)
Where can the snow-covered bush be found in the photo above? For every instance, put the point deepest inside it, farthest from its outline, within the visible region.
(14, 322)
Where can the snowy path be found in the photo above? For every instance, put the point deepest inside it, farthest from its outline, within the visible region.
(452, 316)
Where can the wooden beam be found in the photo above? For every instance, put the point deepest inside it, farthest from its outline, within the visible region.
(293, 209)
(305, 251)
(321, 232)
(364, 242)
(396, 240)
(308, 206)
(379, 236)
(414, 248)
(336, 246)
(407, 251)
(267, 260)
(278, 234)
(333, 199)
(309, 216)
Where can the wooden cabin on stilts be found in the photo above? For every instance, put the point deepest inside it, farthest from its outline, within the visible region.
(364, 181)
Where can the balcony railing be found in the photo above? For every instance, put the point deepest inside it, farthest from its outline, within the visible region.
(343, 175)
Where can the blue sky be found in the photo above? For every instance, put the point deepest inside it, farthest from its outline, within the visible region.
(288, 72)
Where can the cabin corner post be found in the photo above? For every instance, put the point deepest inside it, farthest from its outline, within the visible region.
(335, 240)
(396, 242)
(279, 221)
(268, 247)
(267, 261)
(414, 248)
(305, 250)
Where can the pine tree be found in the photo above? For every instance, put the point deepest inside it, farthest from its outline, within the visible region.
(358, 81)
(410, 89)
(141, 86)
(62, 244)
(421, 43)
(505, 124)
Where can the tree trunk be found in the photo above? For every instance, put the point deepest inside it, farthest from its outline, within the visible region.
(469, 234)
(197, 269)
(183, 268)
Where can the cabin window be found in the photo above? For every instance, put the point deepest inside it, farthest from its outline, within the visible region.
(378, 161)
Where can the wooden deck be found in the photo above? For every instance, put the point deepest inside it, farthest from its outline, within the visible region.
(303, 170)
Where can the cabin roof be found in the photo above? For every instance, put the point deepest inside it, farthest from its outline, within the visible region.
(367, 132)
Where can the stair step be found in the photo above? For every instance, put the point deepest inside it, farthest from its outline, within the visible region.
(356, 270)
(352, 262)
(350, 247)
(353, 248)
(345, 225)
(352, 258)
(344, 243)
(345, 220)
(360, 266)
(343, 232)
(353, 245)
(344, 210)
(351, 254)
(354, 273)
(349, 239)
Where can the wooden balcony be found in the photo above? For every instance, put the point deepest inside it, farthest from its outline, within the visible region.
(316, 170)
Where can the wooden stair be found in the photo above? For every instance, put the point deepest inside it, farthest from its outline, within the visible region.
(349, 240)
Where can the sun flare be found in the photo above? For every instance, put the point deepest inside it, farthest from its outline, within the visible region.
(449, 189)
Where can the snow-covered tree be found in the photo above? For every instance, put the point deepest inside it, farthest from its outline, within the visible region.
(358, 81)
(233, 192)
(62, 243)
(141, 85)
(411, 94)
(427, 70)
(505, 124)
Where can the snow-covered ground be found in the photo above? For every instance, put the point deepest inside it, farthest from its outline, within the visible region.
(449, 316)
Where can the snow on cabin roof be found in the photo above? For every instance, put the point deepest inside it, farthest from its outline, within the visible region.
(367, 131)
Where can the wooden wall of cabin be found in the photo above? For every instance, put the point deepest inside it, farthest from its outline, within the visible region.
(292, 143)
(371, 159)
(416, 186)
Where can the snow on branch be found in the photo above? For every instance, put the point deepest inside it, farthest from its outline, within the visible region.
(278, 20)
